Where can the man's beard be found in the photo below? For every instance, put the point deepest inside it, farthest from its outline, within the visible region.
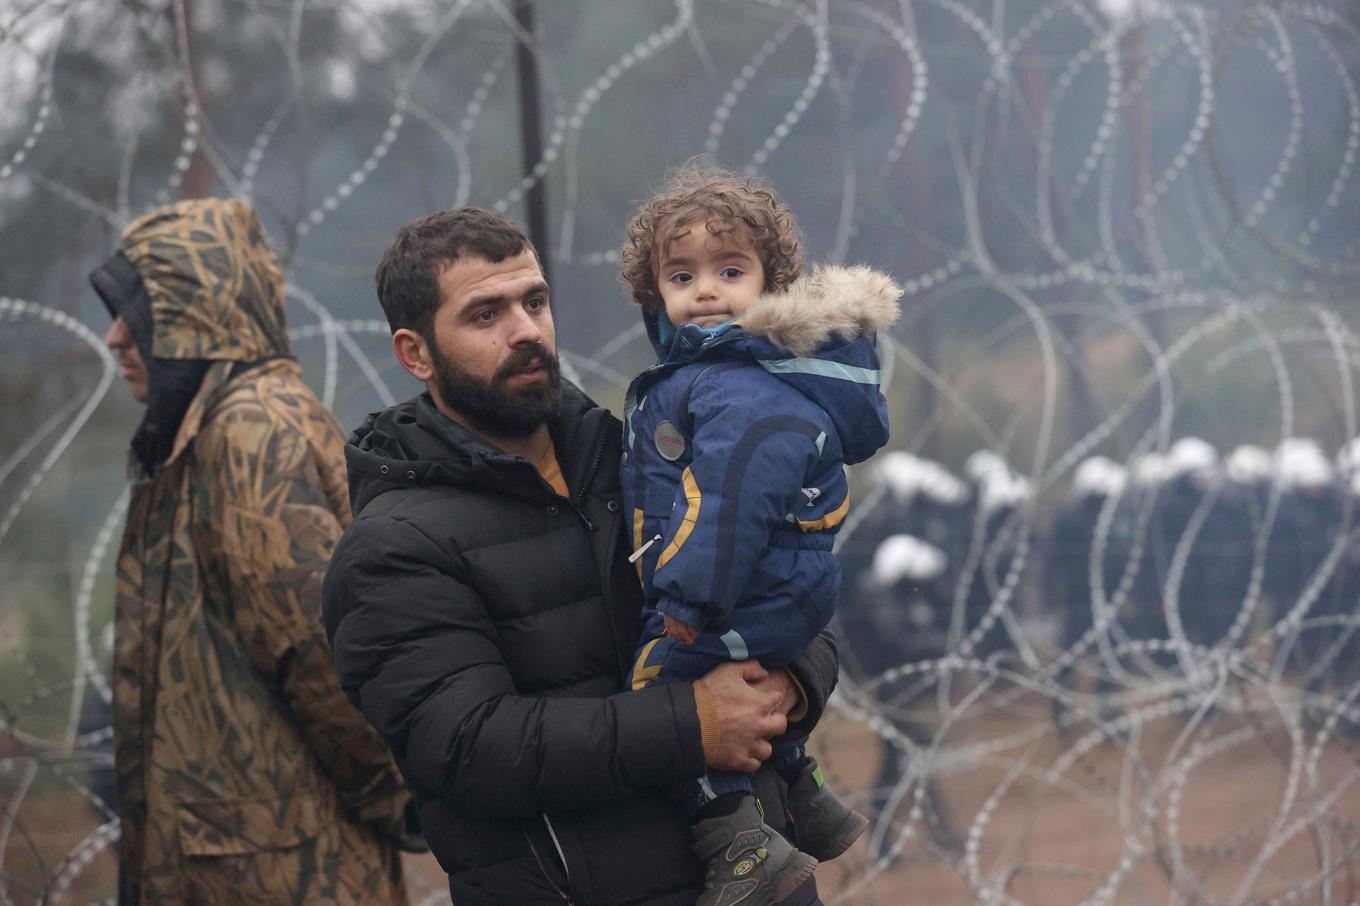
(492, 408)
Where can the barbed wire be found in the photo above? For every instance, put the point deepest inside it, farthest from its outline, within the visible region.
(1118, 223)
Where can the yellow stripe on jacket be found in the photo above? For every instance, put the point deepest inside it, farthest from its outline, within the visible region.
(637, 539)
(642, 674)
(830, 520)
(694, 500)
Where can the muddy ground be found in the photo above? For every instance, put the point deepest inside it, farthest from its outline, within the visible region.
(1161, 816)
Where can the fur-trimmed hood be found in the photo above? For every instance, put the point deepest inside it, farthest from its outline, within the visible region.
(831, 302)
(818, 336)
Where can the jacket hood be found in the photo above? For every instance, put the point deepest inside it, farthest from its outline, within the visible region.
(831, 302)
(413, 444)
(215, 286)
(817, 335)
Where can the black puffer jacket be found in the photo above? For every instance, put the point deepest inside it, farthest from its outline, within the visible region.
(483, 624)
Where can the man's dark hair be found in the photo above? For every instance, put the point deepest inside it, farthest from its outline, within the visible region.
(408, 274)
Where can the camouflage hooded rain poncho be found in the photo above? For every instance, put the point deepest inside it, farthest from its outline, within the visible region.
(245, 776)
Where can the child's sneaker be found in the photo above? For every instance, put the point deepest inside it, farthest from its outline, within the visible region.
(826, 826)
(745, 862)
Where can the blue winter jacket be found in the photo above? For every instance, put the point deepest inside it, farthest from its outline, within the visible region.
(733, 469)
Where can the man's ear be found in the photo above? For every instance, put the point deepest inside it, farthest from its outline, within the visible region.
(410, 349)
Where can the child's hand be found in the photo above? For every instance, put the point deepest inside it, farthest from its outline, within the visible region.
(681, 632)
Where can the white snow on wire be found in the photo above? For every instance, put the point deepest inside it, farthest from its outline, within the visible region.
(907, 476)
(1249, 464)
(901, 557)
(983, 464)
(1300, 463)
(1149, 469)
(1348, 457)
(998, 486)
(942, 486)
(1003, 491)
(1099, 476)
(1116, 10)
(1191, 456)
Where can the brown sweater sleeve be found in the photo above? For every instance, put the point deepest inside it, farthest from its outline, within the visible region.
(709, 729)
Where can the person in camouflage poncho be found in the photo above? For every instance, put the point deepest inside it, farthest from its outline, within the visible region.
(245, 776)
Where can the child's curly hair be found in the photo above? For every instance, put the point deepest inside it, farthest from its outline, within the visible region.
(701, 191)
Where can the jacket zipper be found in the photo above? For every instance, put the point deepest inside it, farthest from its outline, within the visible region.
(561, 857)
(633, 557)
(579, 504)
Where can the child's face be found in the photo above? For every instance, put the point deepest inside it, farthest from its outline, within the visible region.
(707, 278)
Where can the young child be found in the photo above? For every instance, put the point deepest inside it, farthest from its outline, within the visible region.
(733, 477)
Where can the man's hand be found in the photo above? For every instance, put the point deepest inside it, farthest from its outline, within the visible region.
(747, 716)
(778, 680)
(683, 633)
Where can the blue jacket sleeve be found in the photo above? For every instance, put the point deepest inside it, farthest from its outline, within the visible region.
(755, 441)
